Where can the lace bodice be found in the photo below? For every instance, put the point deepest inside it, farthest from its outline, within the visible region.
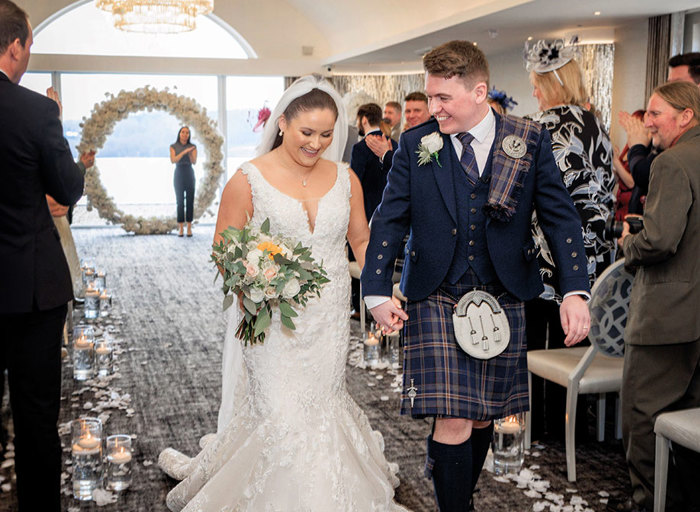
(297, 441)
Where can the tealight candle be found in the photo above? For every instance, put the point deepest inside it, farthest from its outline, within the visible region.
(118, 475)
(509, 425)
(371, 340)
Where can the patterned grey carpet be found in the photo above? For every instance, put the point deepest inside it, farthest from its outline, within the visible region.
(170, 328)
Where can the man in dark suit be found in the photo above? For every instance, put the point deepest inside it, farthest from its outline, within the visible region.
(35, 283)
(369, 168)
(662, 336)
(464, 186)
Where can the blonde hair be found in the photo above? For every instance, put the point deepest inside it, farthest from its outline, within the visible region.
(570, 91)
(681, 95)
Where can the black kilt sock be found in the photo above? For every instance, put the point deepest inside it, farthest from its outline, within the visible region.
(450, 467)
(481, 440)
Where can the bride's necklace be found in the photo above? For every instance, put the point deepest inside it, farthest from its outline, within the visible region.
(304, 178)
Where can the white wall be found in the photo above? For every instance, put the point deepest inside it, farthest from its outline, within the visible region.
(508, 74)
(629, 74)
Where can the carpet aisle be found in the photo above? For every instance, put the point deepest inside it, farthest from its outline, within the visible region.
(170, 326)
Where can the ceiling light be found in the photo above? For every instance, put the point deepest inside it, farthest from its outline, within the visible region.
(529, 38)
(597, 13)
(156, 16)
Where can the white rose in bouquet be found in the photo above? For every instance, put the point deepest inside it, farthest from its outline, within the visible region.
(256, 295)
(291, 289)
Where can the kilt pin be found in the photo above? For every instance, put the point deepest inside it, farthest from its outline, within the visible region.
(462, 239)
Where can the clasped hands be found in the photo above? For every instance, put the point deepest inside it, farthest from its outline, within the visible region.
(389, 315)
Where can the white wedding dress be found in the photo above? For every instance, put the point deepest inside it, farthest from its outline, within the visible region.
(290, 436)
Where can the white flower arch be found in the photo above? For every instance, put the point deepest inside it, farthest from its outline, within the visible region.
(107, 114)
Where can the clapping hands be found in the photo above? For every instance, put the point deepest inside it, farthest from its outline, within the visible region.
(636, 132)
(379, 144)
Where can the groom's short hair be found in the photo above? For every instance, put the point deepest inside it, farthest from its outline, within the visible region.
(458, 58)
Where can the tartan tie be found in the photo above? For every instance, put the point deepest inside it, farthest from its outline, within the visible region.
(468, 160)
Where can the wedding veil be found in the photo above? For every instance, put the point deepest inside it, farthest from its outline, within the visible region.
(234, 383)
(300, 87)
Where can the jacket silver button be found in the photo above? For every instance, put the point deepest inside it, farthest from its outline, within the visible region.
(471, 257)
(473, 196)
(380, 256)
(575, 267)
(574, 254)
(454, 231)
(385, 243)
(378, 271)
(473, 210)
(568, 240)
(472, 227)
(413, 253)
(471, 243)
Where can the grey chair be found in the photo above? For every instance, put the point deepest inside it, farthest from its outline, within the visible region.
(595, 369)
(680, 427)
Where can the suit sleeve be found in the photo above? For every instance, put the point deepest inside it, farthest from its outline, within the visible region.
(60, 175)
(665, 214)
(389, 156)
(559, 220)
(390, 224)
(358, 160)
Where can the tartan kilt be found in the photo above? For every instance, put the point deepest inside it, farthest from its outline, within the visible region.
(447, 381)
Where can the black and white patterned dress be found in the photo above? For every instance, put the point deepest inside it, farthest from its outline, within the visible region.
(583, 153)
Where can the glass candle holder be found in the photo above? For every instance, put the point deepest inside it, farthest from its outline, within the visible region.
(92, 301)
(105, 303)
(393, 349)
(100, 281)
(86, 450)
(103, 357)
(371, 350)
(83, 353)
(119, 453)
(508, 444)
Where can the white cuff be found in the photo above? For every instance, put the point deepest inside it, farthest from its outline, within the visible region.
(372, 301)
(585, 295)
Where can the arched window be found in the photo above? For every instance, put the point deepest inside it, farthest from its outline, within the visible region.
(70, 29)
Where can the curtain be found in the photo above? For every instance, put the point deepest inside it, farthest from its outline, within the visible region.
(658, 52)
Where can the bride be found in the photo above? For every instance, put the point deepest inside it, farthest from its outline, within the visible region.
(290, 437)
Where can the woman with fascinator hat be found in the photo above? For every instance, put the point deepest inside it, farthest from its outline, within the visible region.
(289, 435)
(583, 153)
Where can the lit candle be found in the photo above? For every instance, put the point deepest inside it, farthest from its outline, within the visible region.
(510, 425)
(120, 456)
(82, 342)
(103, 349)
(89, 442)
(371, 340)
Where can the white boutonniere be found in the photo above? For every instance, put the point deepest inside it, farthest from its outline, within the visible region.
(429, 147)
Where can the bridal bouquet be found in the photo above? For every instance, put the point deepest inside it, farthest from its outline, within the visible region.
(265, 272)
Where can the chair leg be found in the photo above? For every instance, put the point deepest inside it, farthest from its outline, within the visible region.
(528, 414)
(363, 313)
(600, 414)
(618, 417)
(660, 473)
(570, 432)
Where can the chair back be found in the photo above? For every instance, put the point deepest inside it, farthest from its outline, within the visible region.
(610, 300)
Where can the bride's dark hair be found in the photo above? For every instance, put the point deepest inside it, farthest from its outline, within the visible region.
(312, 100)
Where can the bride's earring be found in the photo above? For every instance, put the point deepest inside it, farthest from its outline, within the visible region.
(281, 133)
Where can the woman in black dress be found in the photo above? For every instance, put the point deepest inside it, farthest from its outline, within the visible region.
(583, 153)
(184, 155)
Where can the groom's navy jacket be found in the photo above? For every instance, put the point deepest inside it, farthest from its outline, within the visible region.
(422, 200)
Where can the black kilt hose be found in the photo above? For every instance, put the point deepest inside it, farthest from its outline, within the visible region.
(447, 381)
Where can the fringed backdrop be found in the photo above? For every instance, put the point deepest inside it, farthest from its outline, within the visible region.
(597, 61)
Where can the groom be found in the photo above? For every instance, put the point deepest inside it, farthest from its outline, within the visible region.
(464, 186)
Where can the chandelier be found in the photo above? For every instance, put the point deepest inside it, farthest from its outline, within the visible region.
(156, 16)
